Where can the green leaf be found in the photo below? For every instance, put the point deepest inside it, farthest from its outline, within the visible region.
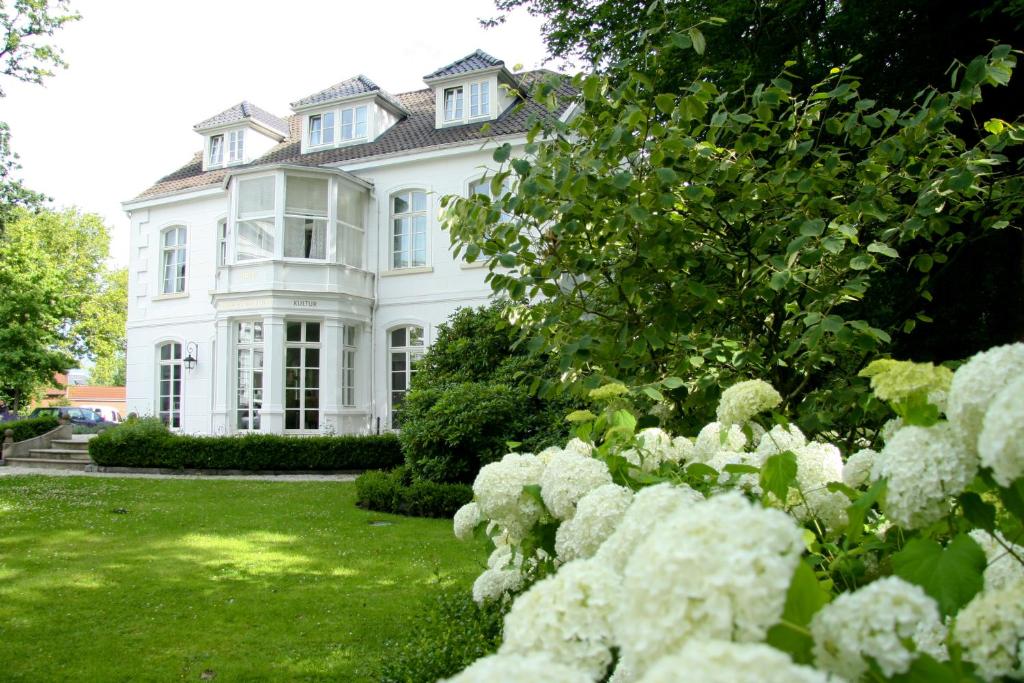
(671, 382)
(881, 248)
(858, 511)
(501, 154)
(925, 669)
(861, 262)
(700, 470)
(1013, 498)
(952, 575)
(682, 41)
(804, 598)
(653, 393)
(665, 102)
(812, 228)
(699, 44)
(779, 280)
(978, 512)
(778, 473)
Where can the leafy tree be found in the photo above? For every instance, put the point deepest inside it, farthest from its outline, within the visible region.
(27, 55)
(471, 396)
(693, 237)
(105, 316)
(49, 274)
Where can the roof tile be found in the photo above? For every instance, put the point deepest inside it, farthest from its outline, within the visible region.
(241, 112)
(472, 62)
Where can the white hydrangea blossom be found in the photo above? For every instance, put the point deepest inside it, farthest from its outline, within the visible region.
(545, 455)
(924, 467)
(466, 519)
(493, 584)
(744, 400)
(579, 447)
(498, 490)
(684, 449)
(656, 447)
(650, 505)
(976, 383)
(890, 428)
(566, 616)
(779, 439)
(857, 470)
(1001, 443)
(991, 630)
(1001, 568)
(568, 477)
(717, 569)
(720, 661)
(877, 621)
(817, 465)
(709, 441)
(746, 481)
(597, 515)
(527, 668)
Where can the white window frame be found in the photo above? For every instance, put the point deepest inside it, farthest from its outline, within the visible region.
(411, 353)
(273, 216)
(172, 414)
(303, 345)
(253, 412)
(458, 110)
(325, 219)
(411, 215)
(353, 125)
(178, 252)
(236, 146)
(223, 242)
(349, 356)
(216, 157)
(327, 129)
(340, 228)
(479, 99)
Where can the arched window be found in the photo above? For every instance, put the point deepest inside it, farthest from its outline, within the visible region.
(173, 245)
(169, 385)
(405, 345)
(409, 229)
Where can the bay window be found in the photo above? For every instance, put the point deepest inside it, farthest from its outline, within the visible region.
(305, 217)
(256, 213)
(350, 212)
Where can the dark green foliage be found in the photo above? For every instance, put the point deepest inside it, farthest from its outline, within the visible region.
(397, 492)
(30, 428)
(147, 443)
(473, 394)
(451, 633)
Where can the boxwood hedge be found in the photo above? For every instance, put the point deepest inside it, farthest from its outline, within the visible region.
(147, 443)
(29, 428)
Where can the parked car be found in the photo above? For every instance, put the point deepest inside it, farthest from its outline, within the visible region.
(106, 412)
(77, 415)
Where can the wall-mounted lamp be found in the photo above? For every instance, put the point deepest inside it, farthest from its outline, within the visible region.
(191, 356)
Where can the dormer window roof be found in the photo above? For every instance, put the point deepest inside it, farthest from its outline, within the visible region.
(471, 63)
(357, 87)
(245, 113)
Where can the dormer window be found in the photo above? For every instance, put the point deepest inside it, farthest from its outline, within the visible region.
(236, 146)
(321, 129)
(353, 123)
(453, 104)
(479, 99)
(216, 150)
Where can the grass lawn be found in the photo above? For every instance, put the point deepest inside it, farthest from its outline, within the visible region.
(165, 580)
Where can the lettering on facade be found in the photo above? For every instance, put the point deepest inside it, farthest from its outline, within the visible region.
(304, 303)
(243, 303)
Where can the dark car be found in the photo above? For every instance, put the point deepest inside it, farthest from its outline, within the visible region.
(78, 416)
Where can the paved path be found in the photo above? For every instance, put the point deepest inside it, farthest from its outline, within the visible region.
(11, 471)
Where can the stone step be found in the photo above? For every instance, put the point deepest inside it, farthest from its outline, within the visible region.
(58, 454)
(48, 463)
(71, 445)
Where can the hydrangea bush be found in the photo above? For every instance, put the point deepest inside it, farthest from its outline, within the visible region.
(755, 552)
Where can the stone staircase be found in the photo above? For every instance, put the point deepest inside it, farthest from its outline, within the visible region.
(63, 454)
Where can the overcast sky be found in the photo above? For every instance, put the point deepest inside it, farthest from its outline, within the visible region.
(142, 73)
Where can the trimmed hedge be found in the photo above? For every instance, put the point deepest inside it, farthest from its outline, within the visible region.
(30, 428)
(397, 492)
(147, 443)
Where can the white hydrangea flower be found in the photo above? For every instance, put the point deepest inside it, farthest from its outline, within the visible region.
(780, 439)
(717, 569)
(744, 400)
(545, 455)
(597, 515)
(466, 519)
(890, 428)
(1001, 567)
(976, 383)
(684, 449)
(878, 621)
(650, 505)
(857, 470)
(710, 441)
(525, 668)
(1001, 443)
(817, 465)
(991, 630)
(579, 447)
(721, 661)
(746, 481)
(657, 447)
(924, 467)
(493, 584)
(567, 478)
(567, 616)
(498, 490)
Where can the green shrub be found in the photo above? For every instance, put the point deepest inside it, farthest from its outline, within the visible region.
(399, 493)
(147, 443)
(31, 427)
(450, 634)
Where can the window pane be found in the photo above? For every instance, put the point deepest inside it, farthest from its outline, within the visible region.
(328, 128)
(292, 357)
(312, 420)
(419, 201)
(312, 332)
(176, 351)
(312, 398)
(398, 381)
(401, 203)
(415, 336)
(312, 358)
(165, 352)
(306, 196)
(291, 419)
(291, 398)
(351, 204)
(257, 333)
(293, 332)
(315, 131)
(360, 122)
(291, 377)
(255, 240)
(255, 196)
(312, 379)
(305, 238)
(398, 337)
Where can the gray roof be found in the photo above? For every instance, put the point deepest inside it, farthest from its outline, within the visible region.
(476, 61)
(357, 85)
(243, 111)
(414, 132)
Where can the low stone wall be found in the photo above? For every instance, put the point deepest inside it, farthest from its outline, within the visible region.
(15, 449)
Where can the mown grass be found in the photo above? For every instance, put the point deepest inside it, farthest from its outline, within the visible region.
(165, 580)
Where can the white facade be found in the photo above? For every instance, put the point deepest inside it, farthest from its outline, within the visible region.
(302, 292)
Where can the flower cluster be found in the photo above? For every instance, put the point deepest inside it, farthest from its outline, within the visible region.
(655, 447)
(744, 400)
(567, 478)
(991, 630)
(597, 515)
(498, 491)
(720, 661)
(896, 380)
(520, 668)
(976, 383)
(1001, 442)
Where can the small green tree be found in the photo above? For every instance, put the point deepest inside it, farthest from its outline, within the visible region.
(692, 238)
(104, 319)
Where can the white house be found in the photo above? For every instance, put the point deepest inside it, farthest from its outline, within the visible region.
(286, 279)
